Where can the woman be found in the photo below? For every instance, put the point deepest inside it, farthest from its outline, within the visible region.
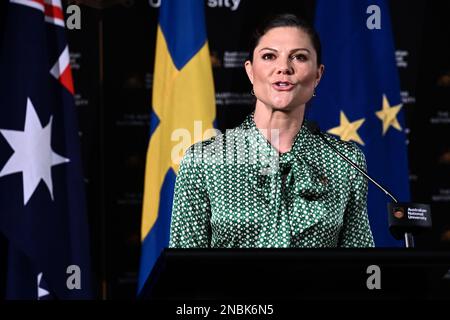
(281, 186)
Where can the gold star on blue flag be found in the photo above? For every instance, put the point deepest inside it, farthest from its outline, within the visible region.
(348, 131)
(358, 98)
(388, 115)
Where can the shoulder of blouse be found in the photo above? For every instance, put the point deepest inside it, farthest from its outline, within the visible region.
(199, 149)
(348, 148)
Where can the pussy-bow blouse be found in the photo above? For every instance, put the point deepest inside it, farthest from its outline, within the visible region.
(236, 191)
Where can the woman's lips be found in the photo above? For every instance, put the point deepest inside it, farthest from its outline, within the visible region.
(282, 86)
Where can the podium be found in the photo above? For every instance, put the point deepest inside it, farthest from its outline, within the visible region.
(299, 274)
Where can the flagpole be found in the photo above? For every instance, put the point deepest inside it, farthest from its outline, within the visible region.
(104, 281)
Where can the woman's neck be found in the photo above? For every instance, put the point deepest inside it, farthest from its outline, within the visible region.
(279, 127)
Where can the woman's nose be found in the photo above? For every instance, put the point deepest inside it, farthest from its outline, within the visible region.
(284, 67)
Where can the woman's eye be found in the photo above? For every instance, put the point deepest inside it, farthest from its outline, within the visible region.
(268, 56)
(300, 57)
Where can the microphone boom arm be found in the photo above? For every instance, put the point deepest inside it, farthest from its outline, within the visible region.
(409, 240)
(356, 167)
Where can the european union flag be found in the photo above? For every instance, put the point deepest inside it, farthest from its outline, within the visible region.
(183, 108)
(42, 204)
(358, 98)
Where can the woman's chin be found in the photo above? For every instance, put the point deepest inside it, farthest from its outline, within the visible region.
(282, 102)
(283, 105)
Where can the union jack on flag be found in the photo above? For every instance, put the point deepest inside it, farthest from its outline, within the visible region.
(42, 200)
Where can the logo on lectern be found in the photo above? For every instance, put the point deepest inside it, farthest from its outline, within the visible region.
(399, 213)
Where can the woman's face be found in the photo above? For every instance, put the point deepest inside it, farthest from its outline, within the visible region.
(284, 71)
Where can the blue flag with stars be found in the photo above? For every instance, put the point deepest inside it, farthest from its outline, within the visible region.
(358, 98)
(42, 205)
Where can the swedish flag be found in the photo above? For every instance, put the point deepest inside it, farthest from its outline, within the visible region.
(358, 98)
(183, 108)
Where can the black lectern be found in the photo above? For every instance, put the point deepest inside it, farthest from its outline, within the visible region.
(299, 274)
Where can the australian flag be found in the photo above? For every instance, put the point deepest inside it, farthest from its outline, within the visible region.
(358, 98)
(42, 205)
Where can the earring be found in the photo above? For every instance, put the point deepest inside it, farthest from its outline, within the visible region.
(314, 93)
(252, 92)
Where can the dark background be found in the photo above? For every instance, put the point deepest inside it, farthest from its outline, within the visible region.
(112, 60)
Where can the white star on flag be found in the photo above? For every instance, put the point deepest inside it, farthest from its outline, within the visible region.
(33, 154)
(41, 291)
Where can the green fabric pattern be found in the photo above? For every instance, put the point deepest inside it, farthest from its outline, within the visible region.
(230, 193)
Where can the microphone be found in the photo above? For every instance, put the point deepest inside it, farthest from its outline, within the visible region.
(315, 130)
(404, 218)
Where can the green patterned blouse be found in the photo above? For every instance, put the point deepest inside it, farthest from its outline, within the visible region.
(236, 191)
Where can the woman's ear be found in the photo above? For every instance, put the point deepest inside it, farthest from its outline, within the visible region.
(249, 70)
(320, 71)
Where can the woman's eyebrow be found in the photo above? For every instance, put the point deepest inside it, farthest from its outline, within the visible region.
(266, 48)
(293, 50)
(300, 49)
